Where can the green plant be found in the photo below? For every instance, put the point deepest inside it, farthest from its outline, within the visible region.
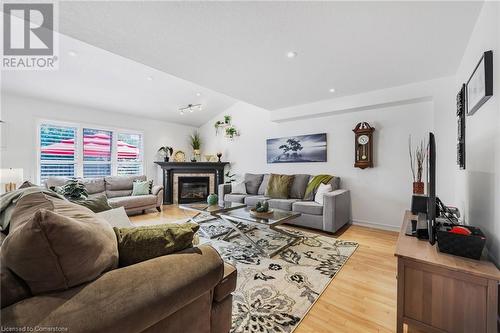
(230, 177)
(227, 119)
(195, 140)
(231, 131)
(217, 125)
(72, 190)
(166, 150)
(262, 206)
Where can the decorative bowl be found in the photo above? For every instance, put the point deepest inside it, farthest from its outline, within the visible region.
(255, 213)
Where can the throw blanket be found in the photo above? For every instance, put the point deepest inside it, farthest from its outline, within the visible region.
(314, 184)
(8, 202)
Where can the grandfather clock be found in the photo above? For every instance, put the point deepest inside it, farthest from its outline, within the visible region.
(363, 143)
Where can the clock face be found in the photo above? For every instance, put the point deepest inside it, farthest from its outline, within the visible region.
(363, 139)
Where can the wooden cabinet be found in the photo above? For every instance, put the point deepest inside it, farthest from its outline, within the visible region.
(440, 293)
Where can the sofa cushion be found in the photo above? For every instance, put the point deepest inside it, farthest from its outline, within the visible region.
(12, 288)
(142, 187)
(133, 201)
(263, 185)
(283, 204)
(92, 185)
(308, 207)
(97, 203)
(139, 244)
(238, 198)
(59, 246)
(252, 200)
(299, 185)
(228, 283)
(252, 182)
(120, 186)
(279, 186)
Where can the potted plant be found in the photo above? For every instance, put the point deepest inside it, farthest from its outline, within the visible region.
(227, 119)
(218, 124)
(166, 152)
(195, 142)
(231, 132)
(417, 159)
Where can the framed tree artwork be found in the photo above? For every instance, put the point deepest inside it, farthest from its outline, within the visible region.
(297, 149)
(480, 83)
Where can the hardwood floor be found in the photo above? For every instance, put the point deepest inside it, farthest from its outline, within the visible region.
(361, 298)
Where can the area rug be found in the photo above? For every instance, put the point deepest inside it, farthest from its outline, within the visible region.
(273, 295)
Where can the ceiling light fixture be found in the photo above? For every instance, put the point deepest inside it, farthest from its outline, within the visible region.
(332, 90)
(149, 78)
(190, 108)
(198, 94)
(291, 54)
(72, 53)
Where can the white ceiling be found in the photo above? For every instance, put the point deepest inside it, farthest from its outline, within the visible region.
(238, 48)
(101, 79)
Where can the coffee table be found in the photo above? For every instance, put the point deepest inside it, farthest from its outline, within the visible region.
(242, 216)
(235, 215)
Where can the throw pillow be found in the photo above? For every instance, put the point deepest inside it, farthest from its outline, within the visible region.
(238, 188)
(141, 187)
(27, 184)
(58, 247)
(322, 190)
(314, 183)
(279, 186)
(96, 204)
(116, 217)
(263, 185)
(253, 182)
(148, 242)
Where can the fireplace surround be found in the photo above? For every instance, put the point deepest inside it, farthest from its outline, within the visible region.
(175, 172)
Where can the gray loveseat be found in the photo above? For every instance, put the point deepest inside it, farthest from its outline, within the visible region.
(330, 216)
(118, 190)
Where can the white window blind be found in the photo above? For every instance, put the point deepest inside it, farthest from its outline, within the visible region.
(77, 151)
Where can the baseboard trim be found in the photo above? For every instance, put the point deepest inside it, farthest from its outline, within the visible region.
(381, 226)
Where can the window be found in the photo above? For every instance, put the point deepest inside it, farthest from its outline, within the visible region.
(97, 152)
(129, 154)
(76, 151)
(57, 151)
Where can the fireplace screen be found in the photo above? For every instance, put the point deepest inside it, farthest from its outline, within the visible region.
(193, 189)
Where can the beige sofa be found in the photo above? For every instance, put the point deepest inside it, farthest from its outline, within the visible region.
(118, 190)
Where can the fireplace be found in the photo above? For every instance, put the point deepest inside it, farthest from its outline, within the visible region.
(193, 189)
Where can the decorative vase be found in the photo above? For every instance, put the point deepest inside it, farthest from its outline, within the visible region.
(212, 199)
(418, 187)
(166, 158)
(219, 156)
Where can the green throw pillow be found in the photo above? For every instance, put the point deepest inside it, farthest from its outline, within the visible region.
(279, 186)
(143, 243)
(142, 187)
(96, 204)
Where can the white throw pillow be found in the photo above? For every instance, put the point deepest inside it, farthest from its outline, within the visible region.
(116, 217)
(322, 189)
(238, 188)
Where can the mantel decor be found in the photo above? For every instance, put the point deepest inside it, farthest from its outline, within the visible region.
(480, 83)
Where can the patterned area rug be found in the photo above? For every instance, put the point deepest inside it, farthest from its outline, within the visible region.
(273, 295)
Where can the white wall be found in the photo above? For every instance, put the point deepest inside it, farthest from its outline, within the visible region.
(379, 195)
(21, 115)
(478, 187)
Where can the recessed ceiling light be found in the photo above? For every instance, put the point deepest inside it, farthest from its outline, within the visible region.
(72, 53)
(149, 78)
(198, 94)
(291, 54)
(332, 90)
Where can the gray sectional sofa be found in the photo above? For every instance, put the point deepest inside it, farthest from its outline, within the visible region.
(118, 190)
(329, 216)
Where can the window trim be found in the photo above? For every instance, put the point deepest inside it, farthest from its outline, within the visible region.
(79, 146)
